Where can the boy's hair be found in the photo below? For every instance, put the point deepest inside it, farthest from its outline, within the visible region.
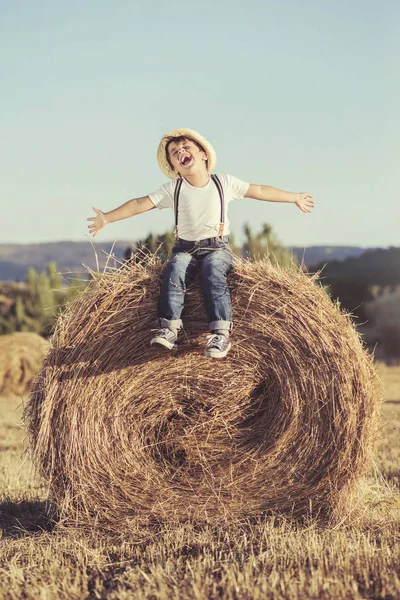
(182, 138)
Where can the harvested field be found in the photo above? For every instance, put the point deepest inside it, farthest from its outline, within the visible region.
(269, 559)
(124, 433)
(21, 357)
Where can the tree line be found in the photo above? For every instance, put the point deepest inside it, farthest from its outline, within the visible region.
(367, 287)
(257, 246)
(35, 305)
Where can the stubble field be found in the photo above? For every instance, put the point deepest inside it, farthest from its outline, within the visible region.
(272, 558)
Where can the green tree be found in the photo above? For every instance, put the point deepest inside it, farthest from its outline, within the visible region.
(77, 284)
(31, 277)
(265, 245)
(153, 244)
(6, 326)
(36, 307)
(56, 282)
(166, 243)
(382, 329)
(22, 321)
(235, 249)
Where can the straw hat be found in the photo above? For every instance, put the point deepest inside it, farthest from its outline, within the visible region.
(193, 135)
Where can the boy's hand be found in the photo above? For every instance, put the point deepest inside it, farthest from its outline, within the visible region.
(99, 221)
(305, 202)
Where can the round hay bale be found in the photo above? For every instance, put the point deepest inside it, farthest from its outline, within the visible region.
(21, 357)
(121, 430)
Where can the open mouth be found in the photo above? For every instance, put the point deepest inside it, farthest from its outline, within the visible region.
(186, 160)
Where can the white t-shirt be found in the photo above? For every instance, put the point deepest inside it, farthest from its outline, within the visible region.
(199, 209)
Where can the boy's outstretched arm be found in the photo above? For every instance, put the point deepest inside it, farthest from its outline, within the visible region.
(129, 209)
(270, 194)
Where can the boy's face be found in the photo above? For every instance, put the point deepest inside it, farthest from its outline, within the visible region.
(186, 157)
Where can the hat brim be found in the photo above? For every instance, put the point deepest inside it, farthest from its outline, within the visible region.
(188, 133)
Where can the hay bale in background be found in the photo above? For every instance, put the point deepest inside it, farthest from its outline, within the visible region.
(121, 430)
(21, 357)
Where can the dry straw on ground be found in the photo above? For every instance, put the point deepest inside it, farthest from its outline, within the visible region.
(122, 431)
(21, 357)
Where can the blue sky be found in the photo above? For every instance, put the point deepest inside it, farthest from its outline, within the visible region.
(300, 96)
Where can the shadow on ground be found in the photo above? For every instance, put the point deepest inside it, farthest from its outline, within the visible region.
(27, 517)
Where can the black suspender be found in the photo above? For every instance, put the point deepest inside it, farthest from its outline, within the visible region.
(222, 202)
(176, 202)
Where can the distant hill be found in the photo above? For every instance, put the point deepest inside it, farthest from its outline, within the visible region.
(357, 280)
(70, 257)
(314, 255)
(379, 266)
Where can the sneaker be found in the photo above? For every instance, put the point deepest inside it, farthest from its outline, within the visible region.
(165, 337)
(218, 346)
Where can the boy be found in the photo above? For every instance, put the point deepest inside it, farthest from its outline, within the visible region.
(200, 202)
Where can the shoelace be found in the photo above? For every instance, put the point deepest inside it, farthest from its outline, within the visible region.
(163, 332)
(216, 340)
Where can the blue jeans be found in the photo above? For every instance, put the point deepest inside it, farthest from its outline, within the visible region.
(213, 261)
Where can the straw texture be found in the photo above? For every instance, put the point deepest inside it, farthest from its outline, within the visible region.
(123, 431)
(21, 357)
